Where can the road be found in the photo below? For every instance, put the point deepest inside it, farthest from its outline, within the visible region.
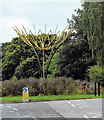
(53, 110)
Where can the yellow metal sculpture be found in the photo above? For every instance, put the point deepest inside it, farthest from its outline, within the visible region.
(43, 42)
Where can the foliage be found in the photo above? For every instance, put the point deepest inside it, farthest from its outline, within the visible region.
(27, 68)
(18, 60)
(13, 55)
(92, 24)
(53, 65)
(50, 86)
(43, 42)
(18, 85)
(17, 57)
(96, 73)
(74, 60)
(0, 63)
(10, 60)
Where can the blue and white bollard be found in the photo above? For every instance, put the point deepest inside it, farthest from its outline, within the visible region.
(25, 94)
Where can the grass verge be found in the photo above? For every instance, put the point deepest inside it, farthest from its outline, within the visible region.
(15, 99)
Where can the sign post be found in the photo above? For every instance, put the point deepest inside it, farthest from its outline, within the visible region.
(25, 94)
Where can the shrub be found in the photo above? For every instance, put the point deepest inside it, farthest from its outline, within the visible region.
(96, 73)
(15, 87)
(50, 86)
(70, 89)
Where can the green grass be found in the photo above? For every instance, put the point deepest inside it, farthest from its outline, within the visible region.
(47, 98)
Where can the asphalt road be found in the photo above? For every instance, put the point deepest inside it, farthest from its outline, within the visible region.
(53, 110)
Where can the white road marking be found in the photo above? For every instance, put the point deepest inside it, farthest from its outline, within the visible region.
(8, 106)
(1, 105)
(15, 109)
(10, 111)
(97, 116)
(85, 116)
(52, 114)
(68, 102)
(27, 116)
(35, 118)
(84, 106)
(18, 114)
(71, 104)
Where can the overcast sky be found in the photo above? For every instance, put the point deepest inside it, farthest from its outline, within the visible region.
(37, 12)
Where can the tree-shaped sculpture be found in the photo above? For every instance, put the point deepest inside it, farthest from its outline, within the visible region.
(50, 42)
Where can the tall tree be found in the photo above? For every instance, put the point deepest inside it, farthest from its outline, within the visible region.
(75, 58)
(93, 28)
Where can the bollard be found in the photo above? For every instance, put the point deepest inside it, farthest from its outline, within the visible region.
(95, 88)
(98, 88)
(25, 94)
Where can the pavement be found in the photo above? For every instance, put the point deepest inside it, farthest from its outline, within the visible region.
(91, 109)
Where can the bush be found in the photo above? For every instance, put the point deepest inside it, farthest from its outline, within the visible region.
(70, 89)
(14, 88)
(51, 86)
(96, 73)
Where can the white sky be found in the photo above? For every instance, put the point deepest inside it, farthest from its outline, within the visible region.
(37, 12)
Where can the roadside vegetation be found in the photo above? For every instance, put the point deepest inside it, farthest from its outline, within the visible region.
(50, 86)
(74, 68)
(17, 99)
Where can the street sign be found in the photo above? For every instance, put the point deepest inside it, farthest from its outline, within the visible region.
(25, 94)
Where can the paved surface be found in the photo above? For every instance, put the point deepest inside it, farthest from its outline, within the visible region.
(60, 110)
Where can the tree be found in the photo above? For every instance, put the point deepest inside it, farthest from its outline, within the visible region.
(53, 68)
(0, 63)
(13, 55)
(10, 59)
(27, 68)
(74, 60)
(43, 42)
(96, 73)
(92, 23)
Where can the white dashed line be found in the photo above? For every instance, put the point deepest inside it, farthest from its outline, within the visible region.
(71, 104)
(68, 102)
(10, 111)
(15, 109)
(35, 118)
(18, 114)
(8, 106)
(27, 116)
(1, 105)
(97, 116)
(85, 116)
